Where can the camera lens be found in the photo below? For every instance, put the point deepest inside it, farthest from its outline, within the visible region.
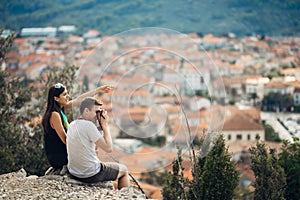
(100, 112)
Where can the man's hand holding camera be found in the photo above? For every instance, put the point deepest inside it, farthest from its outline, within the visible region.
(102, 118)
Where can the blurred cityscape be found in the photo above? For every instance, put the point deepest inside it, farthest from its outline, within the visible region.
(219, 84)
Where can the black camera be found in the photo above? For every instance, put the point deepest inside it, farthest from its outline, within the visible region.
(100, 112)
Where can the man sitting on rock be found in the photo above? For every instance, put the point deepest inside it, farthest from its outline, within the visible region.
(83, 140)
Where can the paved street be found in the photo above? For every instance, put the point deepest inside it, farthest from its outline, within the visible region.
(271, 119)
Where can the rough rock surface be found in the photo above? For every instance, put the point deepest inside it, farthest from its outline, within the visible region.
(17, 185)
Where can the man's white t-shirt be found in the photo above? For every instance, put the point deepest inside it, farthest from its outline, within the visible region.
(83, 161)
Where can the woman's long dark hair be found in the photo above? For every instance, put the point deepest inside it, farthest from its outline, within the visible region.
(52, 105)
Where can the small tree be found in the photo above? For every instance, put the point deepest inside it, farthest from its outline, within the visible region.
(254, 97)
(289, 159)
(85, 83)
(273, 101)
(175, 182)
(234, 93)
(270, 178)
(270, 133)
(12, 101)
(214, 176)
(217, 175)
(5, 45)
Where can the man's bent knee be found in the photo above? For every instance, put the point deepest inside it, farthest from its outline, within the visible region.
(123, 169)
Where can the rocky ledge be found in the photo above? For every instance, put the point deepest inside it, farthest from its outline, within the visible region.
(17, 185)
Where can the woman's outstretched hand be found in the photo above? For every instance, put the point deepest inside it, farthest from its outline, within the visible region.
(105, 89)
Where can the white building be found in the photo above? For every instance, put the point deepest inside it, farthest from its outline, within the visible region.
(67, 29)
(277, 87)
(198, 103)
(39, 32)
(256, 85)
(239, 126)
(296, 96)
(165, 88)
(138, 97)
(194, 79)
(128, 145)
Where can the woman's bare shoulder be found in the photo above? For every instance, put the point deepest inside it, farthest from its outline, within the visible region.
(55, 114)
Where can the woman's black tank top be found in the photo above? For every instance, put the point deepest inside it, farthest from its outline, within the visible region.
(56, 150)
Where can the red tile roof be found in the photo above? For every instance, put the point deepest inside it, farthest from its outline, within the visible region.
(239, 121)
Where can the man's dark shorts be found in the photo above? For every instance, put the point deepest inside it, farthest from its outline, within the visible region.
(109, 172)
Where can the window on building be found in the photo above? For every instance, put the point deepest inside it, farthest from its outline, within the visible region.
(257, 136)
(229, 137)
(201, 79)
(239, 137)
(249, 137)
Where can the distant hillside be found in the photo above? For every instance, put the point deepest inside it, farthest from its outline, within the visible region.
(243, 17)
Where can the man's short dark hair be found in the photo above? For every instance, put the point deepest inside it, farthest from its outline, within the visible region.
(89, 102)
